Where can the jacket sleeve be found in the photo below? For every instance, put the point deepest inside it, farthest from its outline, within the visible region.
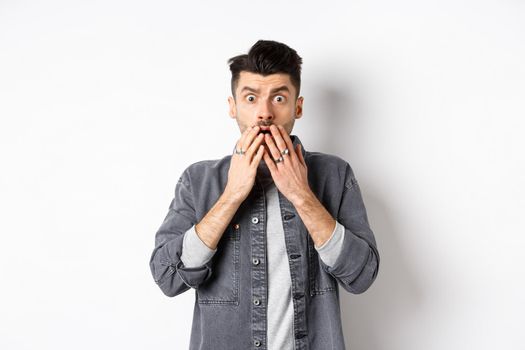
(167, 267)
(331, 249)
(358, 262)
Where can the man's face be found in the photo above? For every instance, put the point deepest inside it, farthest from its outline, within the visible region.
(265, 100)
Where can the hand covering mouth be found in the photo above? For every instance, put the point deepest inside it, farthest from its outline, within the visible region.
(265, 129)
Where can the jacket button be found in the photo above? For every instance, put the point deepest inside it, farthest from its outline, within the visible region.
(256, 301)
(255, 219)
(257, 343)
(255, 261)
(236, 226)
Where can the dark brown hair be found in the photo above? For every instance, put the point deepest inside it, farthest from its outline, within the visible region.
(267, 57)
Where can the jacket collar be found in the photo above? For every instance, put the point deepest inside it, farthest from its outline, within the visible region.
(296, 141)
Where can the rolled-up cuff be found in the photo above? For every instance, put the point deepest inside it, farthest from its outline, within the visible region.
(330, 250)
(194, 251)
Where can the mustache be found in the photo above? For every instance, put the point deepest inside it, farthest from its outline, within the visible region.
(266, 125)
(265, 131)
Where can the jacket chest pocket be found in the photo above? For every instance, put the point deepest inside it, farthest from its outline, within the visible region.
(320, 281)
(223, 285)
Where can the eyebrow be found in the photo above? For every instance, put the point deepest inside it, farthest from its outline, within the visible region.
(272, 91)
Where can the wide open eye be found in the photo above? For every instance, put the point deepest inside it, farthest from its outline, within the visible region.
(250, 98)
(279, 98)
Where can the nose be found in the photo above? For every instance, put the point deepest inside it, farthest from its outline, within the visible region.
(265, 112)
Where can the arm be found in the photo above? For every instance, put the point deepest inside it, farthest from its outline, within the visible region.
(167, 262)
(200, 242)
(357, 266)
(178, 229)
(348, 251)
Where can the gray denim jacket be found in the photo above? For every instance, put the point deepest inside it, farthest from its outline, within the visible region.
(225, 315)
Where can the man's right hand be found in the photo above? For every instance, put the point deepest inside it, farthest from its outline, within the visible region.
(241, 177)
(243, 168)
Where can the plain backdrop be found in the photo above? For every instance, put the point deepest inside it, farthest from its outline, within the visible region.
(103, 104)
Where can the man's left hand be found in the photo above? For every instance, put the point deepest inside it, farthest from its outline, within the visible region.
(290, 175)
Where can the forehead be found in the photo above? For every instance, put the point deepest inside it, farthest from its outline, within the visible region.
(268, 82)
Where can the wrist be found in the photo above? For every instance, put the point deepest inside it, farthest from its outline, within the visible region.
(230, 197)
(306, 196)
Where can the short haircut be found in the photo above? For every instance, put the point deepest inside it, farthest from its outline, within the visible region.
(267, 57)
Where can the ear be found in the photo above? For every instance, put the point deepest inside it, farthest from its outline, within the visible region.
(299, 107)
(232, 108)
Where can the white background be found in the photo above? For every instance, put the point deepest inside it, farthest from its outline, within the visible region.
(103, 104)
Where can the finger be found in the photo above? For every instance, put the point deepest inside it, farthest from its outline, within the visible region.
(270, 163)
(254, 147)
(289, 143)
(278, 138)
(250, 136)
(240, 142)
(273, 148)
(300, 154)
(258, 156)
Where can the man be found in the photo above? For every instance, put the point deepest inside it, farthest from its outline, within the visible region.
(266, 235)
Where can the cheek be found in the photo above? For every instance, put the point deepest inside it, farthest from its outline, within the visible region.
(246, 109)
(286, 112)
